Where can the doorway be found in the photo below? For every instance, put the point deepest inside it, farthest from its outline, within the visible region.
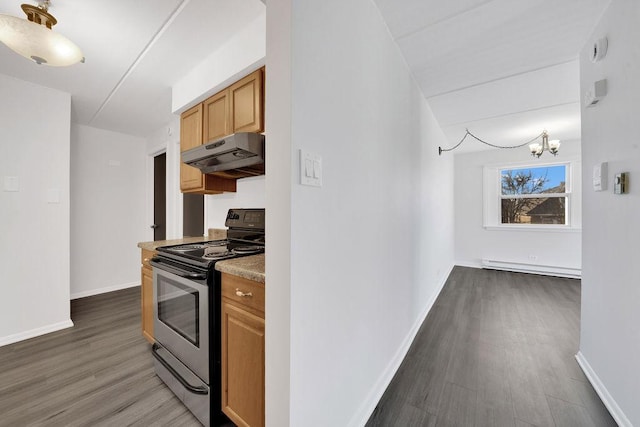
(192, 215)
(160, 197)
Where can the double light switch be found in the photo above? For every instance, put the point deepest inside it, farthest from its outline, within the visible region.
(310, 169)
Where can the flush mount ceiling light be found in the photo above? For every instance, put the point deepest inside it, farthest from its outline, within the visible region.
(34, 39)
(536, 148)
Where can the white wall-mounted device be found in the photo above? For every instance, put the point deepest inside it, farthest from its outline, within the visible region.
(600, 177)
(310, 169)
(11, 183)
(595, 93)
(599, 49)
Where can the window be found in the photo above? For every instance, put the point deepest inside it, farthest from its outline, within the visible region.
(532, 196)
(536, 195)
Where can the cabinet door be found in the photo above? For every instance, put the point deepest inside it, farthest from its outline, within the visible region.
(247, 103)
(190, 137)
(217, 123)
(147, 304)
(242, 366)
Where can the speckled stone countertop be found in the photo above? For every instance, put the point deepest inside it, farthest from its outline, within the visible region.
(248, 267)
(213, 234)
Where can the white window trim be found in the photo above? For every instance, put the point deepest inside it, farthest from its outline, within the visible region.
(492, 196)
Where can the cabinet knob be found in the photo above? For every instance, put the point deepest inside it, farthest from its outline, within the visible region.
(243, 294)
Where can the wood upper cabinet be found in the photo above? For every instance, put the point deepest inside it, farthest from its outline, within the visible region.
(190, 137)
(247, 103)
(217, 122)
(147, 295)
(191, 179)
(243, 350)
(238, 108)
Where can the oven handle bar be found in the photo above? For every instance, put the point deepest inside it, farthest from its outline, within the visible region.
(156, 262)
(185, 384)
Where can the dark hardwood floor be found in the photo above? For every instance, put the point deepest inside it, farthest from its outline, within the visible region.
(98, 373)
(497, 349)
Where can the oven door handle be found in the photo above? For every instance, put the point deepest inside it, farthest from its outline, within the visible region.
(193, 389)
(157, 262)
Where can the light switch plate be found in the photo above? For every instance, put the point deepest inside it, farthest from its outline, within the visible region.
(53, 195)
(11, 183)
(310, 169)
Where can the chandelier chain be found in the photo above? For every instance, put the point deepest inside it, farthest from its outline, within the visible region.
(467, 133)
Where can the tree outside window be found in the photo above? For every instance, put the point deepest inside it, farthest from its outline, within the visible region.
(536, 195)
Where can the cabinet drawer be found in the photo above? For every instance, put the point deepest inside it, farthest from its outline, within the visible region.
(244, 292)
(146, 257)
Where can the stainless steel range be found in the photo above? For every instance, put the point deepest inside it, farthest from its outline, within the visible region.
(187, 301)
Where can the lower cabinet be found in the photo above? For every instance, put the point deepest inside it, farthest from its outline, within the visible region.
(147, 295)
(243, 350)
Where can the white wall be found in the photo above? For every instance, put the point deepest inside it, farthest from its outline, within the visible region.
(241, 55)
(278, 183)
(34, 242)
(107, 210)
(474, 242)
(356, 269)
(610, 336)
(250, 193)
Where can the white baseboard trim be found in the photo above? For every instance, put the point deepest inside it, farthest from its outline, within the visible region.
(545, 270)
(10, 339)
(602, 391)
(469, 264)
(365, 410)
(104, 290)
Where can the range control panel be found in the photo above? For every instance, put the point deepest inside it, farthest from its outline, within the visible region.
(245, 218)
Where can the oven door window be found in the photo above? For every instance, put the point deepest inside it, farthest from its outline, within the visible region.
(178, 308)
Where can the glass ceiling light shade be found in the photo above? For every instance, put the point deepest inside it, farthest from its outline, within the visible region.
(35, 40)
(551, 146)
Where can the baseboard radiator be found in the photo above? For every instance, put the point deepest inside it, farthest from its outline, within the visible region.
(520, 267)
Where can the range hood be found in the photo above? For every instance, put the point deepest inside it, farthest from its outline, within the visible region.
(240, 150)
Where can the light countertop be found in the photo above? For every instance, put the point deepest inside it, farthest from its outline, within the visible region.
(213, 234)
(248, 267)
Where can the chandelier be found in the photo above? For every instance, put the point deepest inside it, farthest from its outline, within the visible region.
(551, 146)
(34, 39)
(536, 148)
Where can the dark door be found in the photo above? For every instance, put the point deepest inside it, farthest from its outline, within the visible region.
(160, 197)
(192, 215)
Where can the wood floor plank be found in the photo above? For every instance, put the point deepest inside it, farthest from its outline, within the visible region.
(497, 349)
(458, 406)
(493, 375)
(411, 416)
(98, 373)
(594, 406)
(569, 415)
(493, 412)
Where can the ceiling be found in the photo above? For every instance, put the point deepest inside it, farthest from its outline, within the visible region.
(504, 69)
(135, 51)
